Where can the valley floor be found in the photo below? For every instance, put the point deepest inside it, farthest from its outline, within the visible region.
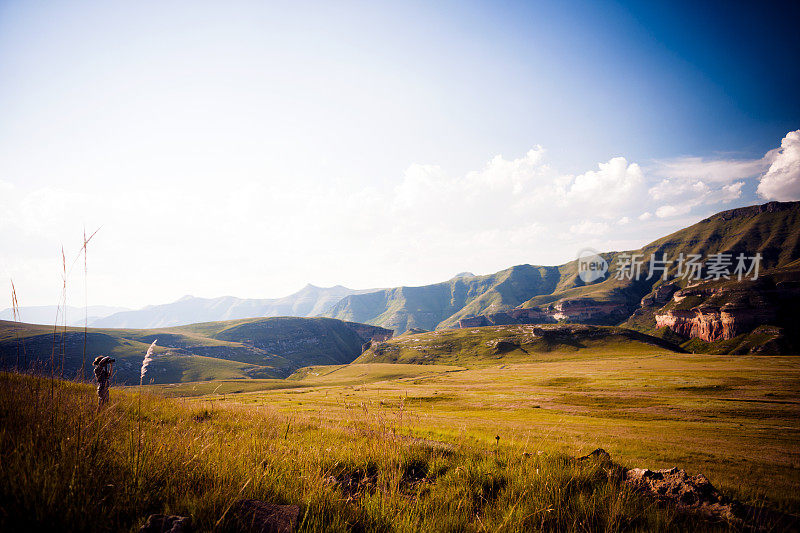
(734, 419)
(388, 447)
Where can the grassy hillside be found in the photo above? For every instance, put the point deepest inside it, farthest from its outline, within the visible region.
(773, 232)
(771, 229)
(301, 341)
(488, 345)
(247, 348)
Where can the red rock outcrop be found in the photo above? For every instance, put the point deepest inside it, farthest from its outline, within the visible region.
(531, 315)
(709, 325)
(721, 313)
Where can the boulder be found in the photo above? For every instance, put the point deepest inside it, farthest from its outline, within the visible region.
(256, 516)
(691, 493)
(599, 455)
(159, 523)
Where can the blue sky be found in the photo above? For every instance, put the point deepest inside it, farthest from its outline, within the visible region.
(248, 148)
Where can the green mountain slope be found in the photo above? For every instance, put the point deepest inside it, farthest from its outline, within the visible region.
(512, 343)
(247, 348)
(537, 294)
(772, 229)
(443, 304)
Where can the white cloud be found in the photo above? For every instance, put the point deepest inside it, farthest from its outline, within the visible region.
(782, 179)
(587, 227)
(613, 185)
(501, 173)
(684, 195)
(713, 170)
(688, 182)
(732, 192)
(422, 228)
(674, 188)
(666, 211)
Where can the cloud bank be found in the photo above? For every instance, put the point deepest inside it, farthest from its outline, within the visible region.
(259, 236)
(782, 180)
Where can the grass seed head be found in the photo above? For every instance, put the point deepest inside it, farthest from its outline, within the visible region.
(147, 359)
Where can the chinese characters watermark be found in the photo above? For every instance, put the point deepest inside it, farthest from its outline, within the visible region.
(688, 266)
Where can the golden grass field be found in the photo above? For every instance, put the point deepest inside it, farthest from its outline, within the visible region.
(392, 447)
(735, 419)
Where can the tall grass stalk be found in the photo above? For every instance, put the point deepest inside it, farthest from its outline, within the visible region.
(20, 341)
(85, 250)
(82, 377)
(148, 358)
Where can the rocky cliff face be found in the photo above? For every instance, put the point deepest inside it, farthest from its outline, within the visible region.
(578, 310)
(714, 324)
(370, 333)
(588, 310)
(660, 295)
(708, 311)
(532, 315)
(714, 312)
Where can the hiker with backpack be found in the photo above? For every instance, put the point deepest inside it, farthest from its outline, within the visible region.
(103, 370)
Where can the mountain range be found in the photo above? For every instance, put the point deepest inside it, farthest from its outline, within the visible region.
(541, 294)
(307, 302)
(718, 310)
(46, 314)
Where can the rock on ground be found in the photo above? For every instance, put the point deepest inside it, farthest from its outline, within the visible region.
(599, 455)
(693, 493)
(159, 523)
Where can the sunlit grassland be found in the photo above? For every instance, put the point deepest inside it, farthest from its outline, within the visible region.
(382, 447)
(735, 419)
(311, 376)
(69, 467)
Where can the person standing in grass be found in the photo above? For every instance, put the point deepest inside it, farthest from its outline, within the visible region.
(103, 370)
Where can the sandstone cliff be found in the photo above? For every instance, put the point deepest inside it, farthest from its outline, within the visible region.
(717, 311)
